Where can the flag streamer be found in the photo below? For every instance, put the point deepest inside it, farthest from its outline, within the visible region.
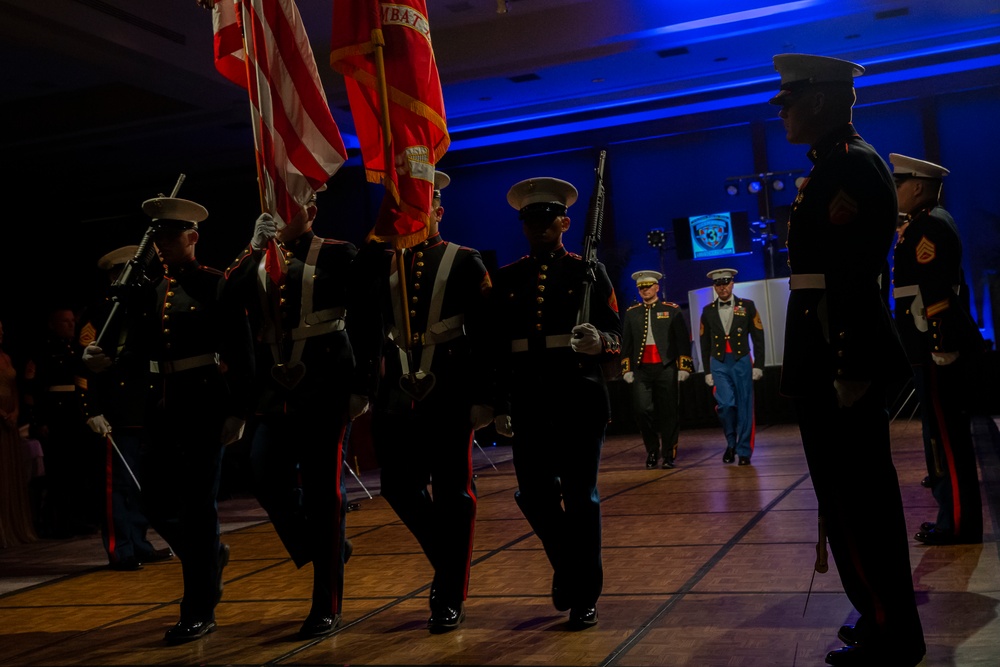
(402, 131)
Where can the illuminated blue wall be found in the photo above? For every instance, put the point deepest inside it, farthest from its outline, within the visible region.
(657, 175)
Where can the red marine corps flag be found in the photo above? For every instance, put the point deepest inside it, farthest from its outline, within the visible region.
(298, 144)
(384, 51)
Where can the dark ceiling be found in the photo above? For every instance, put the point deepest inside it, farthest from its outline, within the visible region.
(109, 88)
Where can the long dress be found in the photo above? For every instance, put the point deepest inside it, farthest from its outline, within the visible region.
(16, 525)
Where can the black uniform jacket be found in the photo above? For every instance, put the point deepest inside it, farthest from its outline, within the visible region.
(928, 255)
(670, 333)
(185, 317)
(536, 304)
(327, 358)
(746, 324)
(119, 392)
(460, 356)
(841, 228)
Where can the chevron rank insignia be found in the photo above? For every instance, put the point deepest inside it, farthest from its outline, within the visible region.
(843, 208)
(926, 251)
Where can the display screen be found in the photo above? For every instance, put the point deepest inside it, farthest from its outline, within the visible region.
(712, 235)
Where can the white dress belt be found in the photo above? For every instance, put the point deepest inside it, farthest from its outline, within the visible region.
(167, 367)
(807, 281)
(521, 344)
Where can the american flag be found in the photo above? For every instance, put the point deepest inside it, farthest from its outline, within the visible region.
(418, 129)
(262, 46)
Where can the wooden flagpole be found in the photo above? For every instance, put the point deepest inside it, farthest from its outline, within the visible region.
(378, 41)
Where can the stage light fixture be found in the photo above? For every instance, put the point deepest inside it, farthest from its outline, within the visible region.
(753, 187)
(778, 185)
(656, 238)
(732, 189)
(799, 182)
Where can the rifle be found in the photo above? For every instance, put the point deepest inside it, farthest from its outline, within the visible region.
(133, 276)
(592, 238)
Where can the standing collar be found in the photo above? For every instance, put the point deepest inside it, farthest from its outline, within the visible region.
(825, 146)
(558, 253)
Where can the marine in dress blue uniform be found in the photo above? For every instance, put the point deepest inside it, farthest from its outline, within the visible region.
(728, 325)
(430, 394)
(553, 399)
(841, 350)
(199, 353)
(113, 399)
(940, 340)
(656, 355)
(294, 285)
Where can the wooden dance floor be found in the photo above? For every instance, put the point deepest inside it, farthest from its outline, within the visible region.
(705, 565)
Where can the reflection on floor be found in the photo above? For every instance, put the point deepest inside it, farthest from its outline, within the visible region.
(705, 565)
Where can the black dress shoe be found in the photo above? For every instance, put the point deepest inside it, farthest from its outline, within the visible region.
(744, 461)
(651, 460)
(867, 656)
(934, 537)
(319, 625)
(157, 556)
(849, 635)
(188, 631)
(581, 618)
(668, 465)
(223, 560)
(729, 456)
(927, 525)
(445, 618)
(126, 565)
(927, 482)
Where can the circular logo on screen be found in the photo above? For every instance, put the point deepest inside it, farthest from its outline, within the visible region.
(712, 231)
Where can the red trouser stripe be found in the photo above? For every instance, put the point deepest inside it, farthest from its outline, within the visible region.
(942, 428)
(472, 528)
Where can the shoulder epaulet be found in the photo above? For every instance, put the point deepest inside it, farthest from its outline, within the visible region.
(209, 269)
(670, 303)
(634, 305)
(574, 255)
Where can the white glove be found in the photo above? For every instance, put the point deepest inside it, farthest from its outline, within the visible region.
(944, 358)
(94, 358)
(629, 377)
(502, 423)
(586, 339)
(99, 425)
(683, 375)
(232, 430)
(480, 416)
(758, 373)
(709, 380)
(357, 406)
(264, 230)
(849, 391)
